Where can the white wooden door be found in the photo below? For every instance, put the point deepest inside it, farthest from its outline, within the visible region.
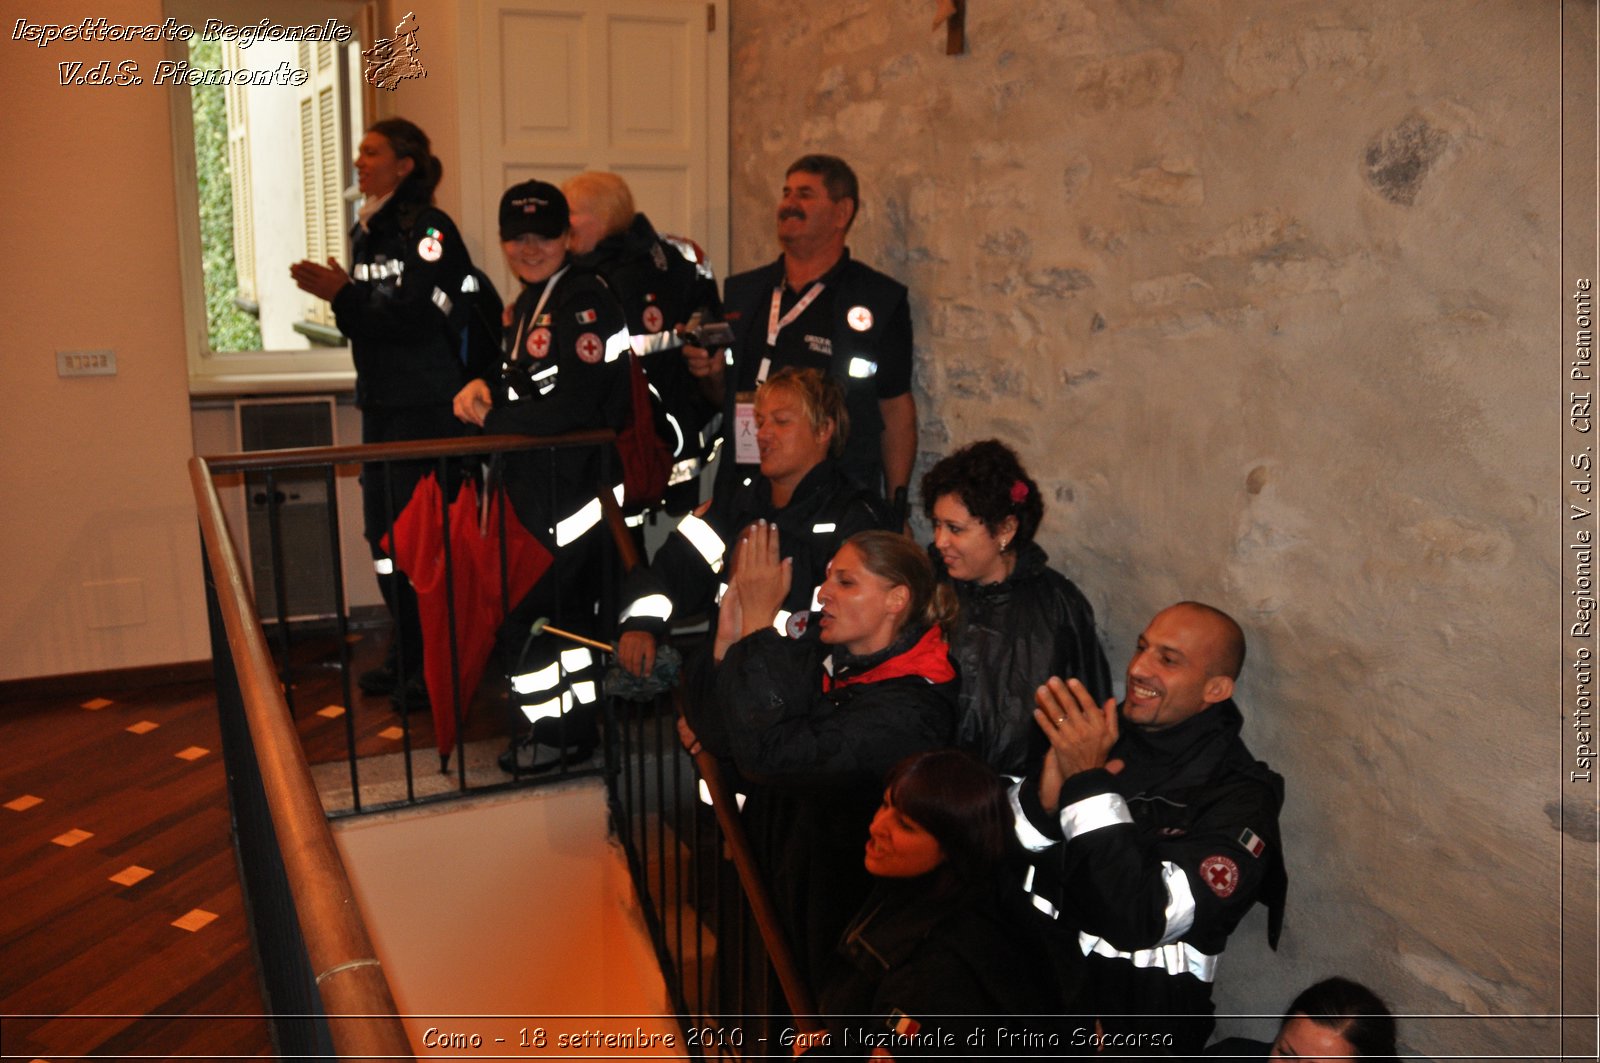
(637, 87)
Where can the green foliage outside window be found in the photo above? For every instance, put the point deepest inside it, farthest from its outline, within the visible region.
(229, 328)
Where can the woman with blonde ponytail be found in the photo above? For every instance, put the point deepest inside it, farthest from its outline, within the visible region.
(814, 723)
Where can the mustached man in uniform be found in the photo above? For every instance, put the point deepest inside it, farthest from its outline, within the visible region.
(818, 308)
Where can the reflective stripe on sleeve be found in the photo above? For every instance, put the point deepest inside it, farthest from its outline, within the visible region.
(442, 301)
(469, 283)
(570, 529)
(861, 368)
(617, 345)
(707, 543)
(576, 658)
(1180, 902)
(654, 606)
(823, 529)
(1027, 833)
(383, 566)
(1092, 813)
(1175, 959)
(780, 623)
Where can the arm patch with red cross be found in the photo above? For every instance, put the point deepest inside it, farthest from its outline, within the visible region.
(1221, 874)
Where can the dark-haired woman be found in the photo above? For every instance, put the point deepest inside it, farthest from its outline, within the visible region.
(404, 304)
(1331, 1020)
(816, 723)
(1020, 621)
(936, 961)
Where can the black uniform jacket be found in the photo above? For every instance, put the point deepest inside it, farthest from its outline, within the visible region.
(814, 730)
(404, 309)
(659, 288)
(884, 343)
(1160, 862)
(927, 971)
(565, 370)
(1010, 637)
(825, 510)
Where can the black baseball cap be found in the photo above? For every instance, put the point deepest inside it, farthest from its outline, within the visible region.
(533, 207)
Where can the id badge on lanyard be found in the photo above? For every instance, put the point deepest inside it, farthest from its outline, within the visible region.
(745, 451)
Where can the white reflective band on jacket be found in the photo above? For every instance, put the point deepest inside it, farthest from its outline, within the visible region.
(861, 368)
(383, 566)
(705, 796)
(683, 471)
(780, 623)
(1179, 958)
(1027, 834)
(1092, 813)
(707, 543)
(823, 529)
(648, 343)
(570, 529)
(442, 301)
(654, 606)
(617, 344)
(377, 271)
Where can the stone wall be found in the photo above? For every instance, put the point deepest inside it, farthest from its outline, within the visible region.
(1256, 289)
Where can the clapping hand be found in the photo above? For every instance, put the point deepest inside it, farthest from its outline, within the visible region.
(1080, 732)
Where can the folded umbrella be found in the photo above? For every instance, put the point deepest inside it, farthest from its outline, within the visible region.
(471, 569)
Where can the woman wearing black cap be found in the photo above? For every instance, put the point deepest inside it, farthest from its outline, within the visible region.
(405, 305)
(565, 370)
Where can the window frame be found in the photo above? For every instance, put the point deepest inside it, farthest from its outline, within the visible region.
(325, 369)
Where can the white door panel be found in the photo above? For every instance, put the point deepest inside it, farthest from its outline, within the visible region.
(637, 87)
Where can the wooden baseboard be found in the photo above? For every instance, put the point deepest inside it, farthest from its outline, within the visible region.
(363, 618)
(112, 679)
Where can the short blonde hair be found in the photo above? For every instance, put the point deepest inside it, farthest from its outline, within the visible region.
(604, 194)
(821, 398)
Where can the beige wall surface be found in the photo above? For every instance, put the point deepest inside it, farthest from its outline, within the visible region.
(99, 554)
(1266, 295)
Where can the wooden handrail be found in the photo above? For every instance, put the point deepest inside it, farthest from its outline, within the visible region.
(304, 457)
(795, 991)
(360, 1008)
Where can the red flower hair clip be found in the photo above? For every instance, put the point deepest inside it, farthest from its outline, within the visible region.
(1019, 492)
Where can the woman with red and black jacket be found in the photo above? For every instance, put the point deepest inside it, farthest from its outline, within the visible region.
(813, 724)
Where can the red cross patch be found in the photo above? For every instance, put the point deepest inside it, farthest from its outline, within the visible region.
(539, 342)
(1221, 874)
(653, 319)
(797, 623)
(590, 348)
(860, 318)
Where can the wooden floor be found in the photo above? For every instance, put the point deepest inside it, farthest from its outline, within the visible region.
(122, 927)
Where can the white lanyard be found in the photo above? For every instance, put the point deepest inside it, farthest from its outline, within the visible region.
(776, 325)
(550, 286)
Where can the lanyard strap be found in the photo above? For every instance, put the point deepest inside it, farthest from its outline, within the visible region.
(775, 324)
(549, 286)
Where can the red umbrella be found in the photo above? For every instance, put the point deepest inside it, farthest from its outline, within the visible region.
(475, 576)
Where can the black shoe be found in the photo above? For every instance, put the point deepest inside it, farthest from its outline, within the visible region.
(378, 681)
(415, 697)
(531, 757)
